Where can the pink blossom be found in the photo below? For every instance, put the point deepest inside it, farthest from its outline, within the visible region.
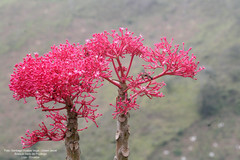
(56, 133)
(115, 45)
(123, 106)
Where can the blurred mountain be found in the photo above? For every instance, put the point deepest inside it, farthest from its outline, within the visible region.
(195, 120)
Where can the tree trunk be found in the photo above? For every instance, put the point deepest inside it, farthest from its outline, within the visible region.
(123, 133)
(72, 137)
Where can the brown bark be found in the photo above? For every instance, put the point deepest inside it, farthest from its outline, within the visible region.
(123, 133)
(72, 137)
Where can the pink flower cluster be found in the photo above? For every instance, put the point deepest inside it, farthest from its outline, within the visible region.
(66, 73)
(171, 60)
(123, 106)
(114, 47)
(56, 133)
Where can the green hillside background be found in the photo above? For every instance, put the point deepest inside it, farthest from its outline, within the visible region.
(196, 120)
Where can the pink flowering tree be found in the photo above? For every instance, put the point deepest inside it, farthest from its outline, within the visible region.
(69, 74)
(66, 75)
(164, 59)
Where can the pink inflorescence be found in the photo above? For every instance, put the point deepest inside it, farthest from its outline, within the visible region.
(114, 45)
(169, 60)
(56, 133)
(66, 72)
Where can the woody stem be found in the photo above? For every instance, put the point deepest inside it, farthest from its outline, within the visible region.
(123, 133)
(72, 137)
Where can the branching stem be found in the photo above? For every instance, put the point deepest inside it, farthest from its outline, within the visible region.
(115, 68)
(113, 82)
(121, 69)
(130, 65)
(53, 109)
